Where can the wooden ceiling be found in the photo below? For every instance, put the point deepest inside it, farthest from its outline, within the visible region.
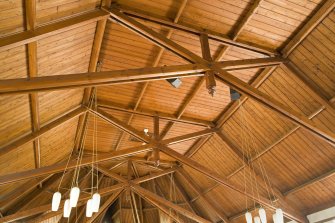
(279, 54)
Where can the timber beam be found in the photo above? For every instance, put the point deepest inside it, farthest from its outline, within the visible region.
(42, 32)
(145, 194)
(196, 31)
(222, 181)
(207, 201)
(82, 80)
(24, 175)
(317, 17)
(224, 76)
(43, 130)
(120, 125)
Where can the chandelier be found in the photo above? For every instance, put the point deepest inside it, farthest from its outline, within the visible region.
(93, 203)
(247, 144)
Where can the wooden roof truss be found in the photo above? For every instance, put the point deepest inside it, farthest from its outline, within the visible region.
(210, 70)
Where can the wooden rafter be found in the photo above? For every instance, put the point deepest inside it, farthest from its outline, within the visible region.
(249, 91)
(301, 76)
(156, 136)
(208, 202)
(260, 179)
(268, 148)
(240, 26)
(192, 30)
(120, 125)
(20, 141)
(82, 80)
(105, 205)
(111, 174)
(197, 145)
(269, 102)
(184, 194)
(92, 67)
(32, 72)
(162, 208)
(145, 194)
(154, 175)
(140, 206)
(10, 178)
(155, 64)
(135, 208)
(325, 9)
(42, 32)
(206, 54)
(225, 77)
(39, 192)
(235, 105)
(16, 195)
(190, 136)
(310, 182)
(221, 180)
(161, 115)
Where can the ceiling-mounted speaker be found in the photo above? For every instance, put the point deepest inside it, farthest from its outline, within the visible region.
(234, 95)
(175, 82)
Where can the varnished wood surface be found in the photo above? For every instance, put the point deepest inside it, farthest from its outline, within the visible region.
(299, 164)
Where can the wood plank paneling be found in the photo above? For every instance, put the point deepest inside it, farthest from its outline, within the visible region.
(48, 10)
(14, 118)
(11, 19)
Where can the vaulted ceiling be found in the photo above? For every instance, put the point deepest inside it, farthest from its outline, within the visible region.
(59, 57)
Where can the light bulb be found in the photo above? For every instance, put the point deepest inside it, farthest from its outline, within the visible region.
(248, 217)
(74, 196)
(274, 217)
(56, 201)
(89, 208)
(67, 209)
(279, 215)
(96, 202)
(257, 220)
(262, 215)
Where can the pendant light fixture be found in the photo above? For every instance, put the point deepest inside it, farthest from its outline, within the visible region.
(257, 219)
(89, 208)
(274, 218)
(74, 196)
(262, 215)
(248, 217)
(279, 215)
(96, 202)
(67, 209)
(93, 203)
(56, 201)
(249, 152)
